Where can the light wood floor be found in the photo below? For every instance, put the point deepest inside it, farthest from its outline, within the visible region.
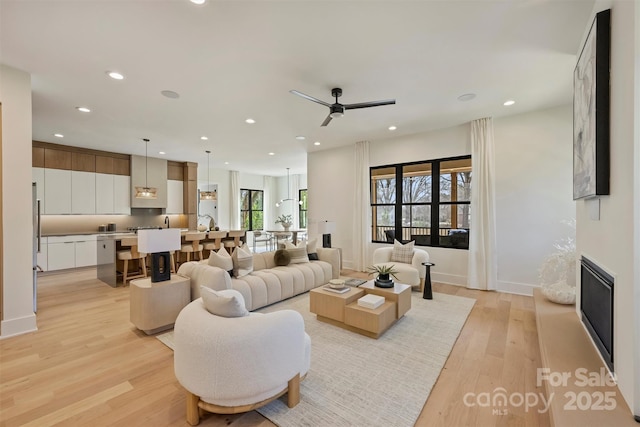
(88, 366)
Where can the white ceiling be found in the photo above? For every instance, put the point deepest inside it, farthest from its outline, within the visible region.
(230, 60)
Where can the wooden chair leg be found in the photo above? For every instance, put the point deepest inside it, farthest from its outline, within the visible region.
(144, 266)
(125, 271)
(200, 255)
(293, 391)
(193, 415)
(173, 263)
(188, 256)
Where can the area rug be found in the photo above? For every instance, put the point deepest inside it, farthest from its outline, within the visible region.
(359, 381)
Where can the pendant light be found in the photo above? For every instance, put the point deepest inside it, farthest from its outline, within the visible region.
(208, 195)
(146, 192)
(288, 194)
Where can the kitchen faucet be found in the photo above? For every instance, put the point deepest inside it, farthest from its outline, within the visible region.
(166, 221)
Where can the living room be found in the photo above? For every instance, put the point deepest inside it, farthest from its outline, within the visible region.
(533, 186)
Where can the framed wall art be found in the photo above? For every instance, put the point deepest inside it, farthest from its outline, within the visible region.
(591, 111)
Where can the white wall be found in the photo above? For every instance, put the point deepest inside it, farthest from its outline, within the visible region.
(609, 241)
(533, 171)
(15, 96)
(533, 158)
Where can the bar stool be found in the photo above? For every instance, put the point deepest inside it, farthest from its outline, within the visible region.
(132, 254)
(215, 240)
(236, 242)
(195, 246)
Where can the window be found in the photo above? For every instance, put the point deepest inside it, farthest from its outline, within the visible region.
(428, 202)
(302, 196)
(251, 209)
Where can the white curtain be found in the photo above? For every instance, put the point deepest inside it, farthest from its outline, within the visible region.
(361, 209)
(482, 237)
(295, 208)
(269, 202)
(234, 206)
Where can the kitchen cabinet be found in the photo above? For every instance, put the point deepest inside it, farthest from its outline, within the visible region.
(174, 197)
(86, 252)
(105, 193)
(122, 194)
(71, 251)
(83, 192)
(57, 194)
(61, 255)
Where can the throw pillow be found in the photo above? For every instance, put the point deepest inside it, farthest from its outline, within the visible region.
(221, 259)
(225, 303)
(312, 252)
(281, 258)
(298, 253)
(242, 261)
(402, 253)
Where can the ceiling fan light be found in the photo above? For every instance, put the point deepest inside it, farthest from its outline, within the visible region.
(336, 114)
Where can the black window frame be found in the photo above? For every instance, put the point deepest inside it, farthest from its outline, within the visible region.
(435, 204)
(251, 210)
(302, 207)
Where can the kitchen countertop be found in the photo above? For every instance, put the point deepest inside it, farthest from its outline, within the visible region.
(99, 233)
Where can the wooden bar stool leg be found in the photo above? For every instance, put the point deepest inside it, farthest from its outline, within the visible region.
(144, 266)
(125, 270)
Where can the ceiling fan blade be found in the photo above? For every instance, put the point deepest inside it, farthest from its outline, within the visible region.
(326, 121)
(369, 104)
(310, 98)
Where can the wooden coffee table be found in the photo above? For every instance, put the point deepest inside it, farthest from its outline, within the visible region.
(343, 310)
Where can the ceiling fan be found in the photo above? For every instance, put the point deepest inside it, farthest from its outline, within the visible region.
(336, 109)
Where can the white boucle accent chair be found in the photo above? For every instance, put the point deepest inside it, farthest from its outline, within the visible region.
(411, 274)
(237, 364)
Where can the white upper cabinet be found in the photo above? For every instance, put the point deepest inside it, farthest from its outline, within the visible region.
(57, 197)
(175, 190)
(83, 192)
(122, 194)
(104, 193)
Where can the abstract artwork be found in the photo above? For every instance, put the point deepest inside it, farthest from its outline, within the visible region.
(591, 112)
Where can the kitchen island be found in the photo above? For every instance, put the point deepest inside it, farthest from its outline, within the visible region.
(107, 246)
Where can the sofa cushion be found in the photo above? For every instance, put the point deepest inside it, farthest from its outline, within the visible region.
(282, 258)
(221, 259)
(225, 303)
(242, 261)
(298, 253)
(402, 253)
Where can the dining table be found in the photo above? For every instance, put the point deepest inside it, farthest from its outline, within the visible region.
(285, 234)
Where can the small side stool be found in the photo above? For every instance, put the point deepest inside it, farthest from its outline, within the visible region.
(427, 293)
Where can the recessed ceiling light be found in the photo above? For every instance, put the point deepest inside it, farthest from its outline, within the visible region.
(392, 128)
(58, 135)
(161, 152)
(115, 75)
(226, 163)
(250, 121)
(170, 94)
(509, 102)
(316, 143)
(272, 154)
(198, 1)
(300, 138)
(466, 97)
(204, 138)
(83, 109)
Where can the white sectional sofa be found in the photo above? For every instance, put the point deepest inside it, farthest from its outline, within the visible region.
(268, 283)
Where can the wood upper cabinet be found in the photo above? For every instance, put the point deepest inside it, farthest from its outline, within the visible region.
(57, 159)
(37, 157)
(83, 162)
(122, 166)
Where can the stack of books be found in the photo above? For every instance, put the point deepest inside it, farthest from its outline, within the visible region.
(371, 301)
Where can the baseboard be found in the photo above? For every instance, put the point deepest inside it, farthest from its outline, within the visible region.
(448, 279)
(19, 326)
(516, 288)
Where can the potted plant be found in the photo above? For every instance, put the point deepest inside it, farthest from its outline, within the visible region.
(285, 221)
(382, 273)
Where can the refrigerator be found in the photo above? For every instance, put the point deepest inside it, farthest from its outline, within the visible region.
(37, 237)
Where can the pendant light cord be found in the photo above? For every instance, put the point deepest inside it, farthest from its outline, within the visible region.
(146, 163)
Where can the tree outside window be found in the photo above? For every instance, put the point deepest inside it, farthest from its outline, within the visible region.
(252, 209)
(302, 210)
(427, 202)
